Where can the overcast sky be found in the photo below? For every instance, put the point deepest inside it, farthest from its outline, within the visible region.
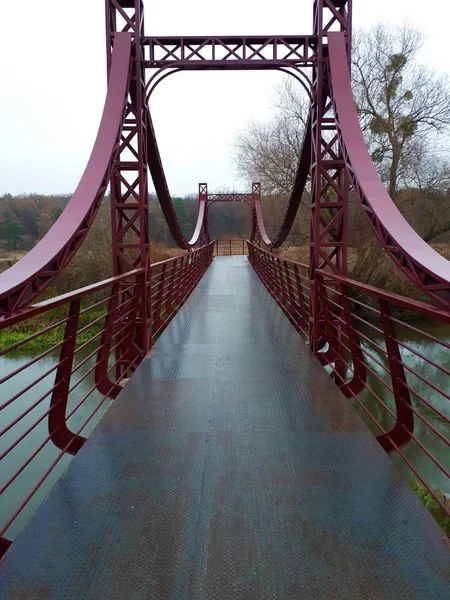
(53, 84)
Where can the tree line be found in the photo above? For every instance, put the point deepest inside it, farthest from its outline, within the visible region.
(26, 218)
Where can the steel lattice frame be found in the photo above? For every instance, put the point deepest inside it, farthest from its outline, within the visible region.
(252, 199)
(329, 176)
(130, 222)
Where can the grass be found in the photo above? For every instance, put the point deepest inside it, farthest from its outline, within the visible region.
(431, 505)
(22, 331)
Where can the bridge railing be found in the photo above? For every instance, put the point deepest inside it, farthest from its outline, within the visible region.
(230, 247)
(387, 353)
(288, 283)
(172, 282)
(62, 362)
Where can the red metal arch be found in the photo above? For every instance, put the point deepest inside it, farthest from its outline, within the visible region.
(28, 278)
(419, 262)
(162, 188)
(295, 197)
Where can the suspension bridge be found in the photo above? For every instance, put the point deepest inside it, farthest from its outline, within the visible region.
(228, 426)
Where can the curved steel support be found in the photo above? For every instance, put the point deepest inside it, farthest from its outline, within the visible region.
(200, 237)
(161, 187)
(258, 228)
(60, 434)
(415, 258)
(29, 277)
(165, 200)
(259, 233)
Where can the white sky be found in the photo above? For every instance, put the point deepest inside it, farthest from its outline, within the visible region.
(53, 84)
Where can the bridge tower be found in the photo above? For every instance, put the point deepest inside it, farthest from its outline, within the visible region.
(329, 176)
(129, 181)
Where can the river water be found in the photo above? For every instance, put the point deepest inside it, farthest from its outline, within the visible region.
(421, 370)
(26, 481)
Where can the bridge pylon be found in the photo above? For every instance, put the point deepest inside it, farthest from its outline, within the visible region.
(130, 222)
(330, 183)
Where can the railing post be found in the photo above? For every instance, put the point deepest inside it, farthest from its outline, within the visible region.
(330, 332)
(303, 321)
(179, 283)
(282, 282)
(158, 304)
(182, 279)
(358, 381)
(138, 329)
(404, 425)
(61, 436)
(290, 295)
(265, 266)
(170, 293)
(102, 382)
(275, 277)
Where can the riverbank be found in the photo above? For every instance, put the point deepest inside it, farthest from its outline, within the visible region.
(91, 323)
(432, 505)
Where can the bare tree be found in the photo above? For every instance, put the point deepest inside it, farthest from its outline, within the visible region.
(404, 109)
(403, 105)
(269, 152)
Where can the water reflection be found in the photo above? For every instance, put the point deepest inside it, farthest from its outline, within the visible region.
(417, 380)
(36, 434)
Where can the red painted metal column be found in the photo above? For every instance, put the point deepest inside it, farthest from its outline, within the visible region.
(203, 197)
(255, 234)
(329, 177)
(61, 436)
(404, 426)
(129, 182)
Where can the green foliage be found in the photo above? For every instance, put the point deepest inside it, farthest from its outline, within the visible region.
(431, 505)
(377, 155)
(57, 213)
(22, 331)
(182, 212)
(32, 214)
(407, 126)
(12, 231)
(379, 126)
(396, 63)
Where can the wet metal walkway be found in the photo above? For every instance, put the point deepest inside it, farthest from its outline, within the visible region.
(230, 467)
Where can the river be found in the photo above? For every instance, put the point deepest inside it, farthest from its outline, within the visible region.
(12, 462)
(26, 481)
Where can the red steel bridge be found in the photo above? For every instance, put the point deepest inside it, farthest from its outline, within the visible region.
(261, 441)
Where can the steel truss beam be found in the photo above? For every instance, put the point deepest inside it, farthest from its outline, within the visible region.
(229, 52)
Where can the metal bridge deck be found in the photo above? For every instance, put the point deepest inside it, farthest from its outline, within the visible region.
(230, 467)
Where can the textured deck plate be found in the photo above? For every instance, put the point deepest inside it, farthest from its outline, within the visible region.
(229, 468)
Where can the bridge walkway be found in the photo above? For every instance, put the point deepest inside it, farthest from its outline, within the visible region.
(230, 467)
